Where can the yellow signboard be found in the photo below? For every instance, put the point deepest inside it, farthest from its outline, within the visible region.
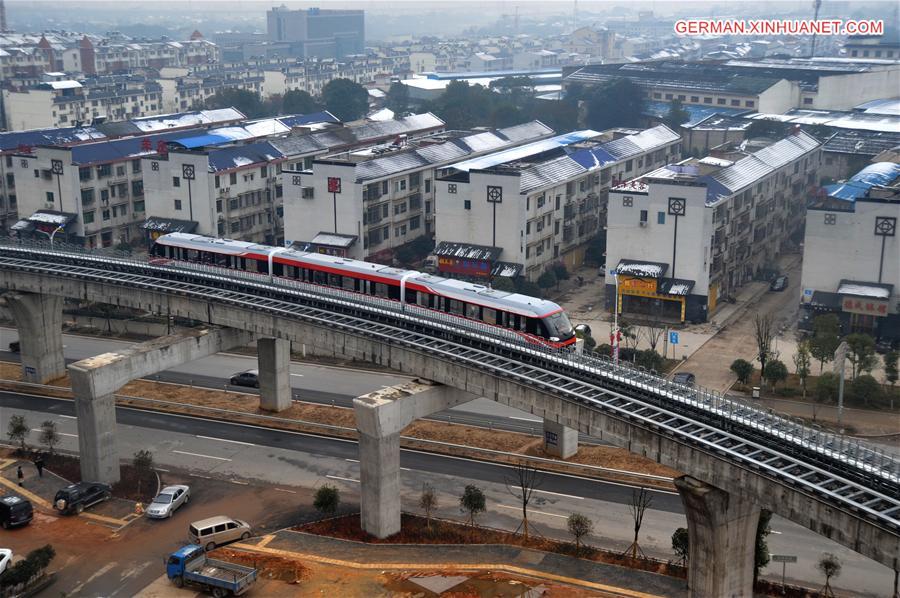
(640, 285)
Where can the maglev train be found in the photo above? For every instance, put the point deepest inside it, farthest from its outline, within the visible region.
(539, 321)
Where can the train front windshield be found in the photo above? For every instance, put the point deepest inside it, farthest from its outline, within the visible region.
(559, 326)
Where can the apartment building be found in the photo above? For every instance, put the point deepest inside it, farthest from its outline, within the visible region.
(540, 203)
(223, 182)
(34, 142)
(63, 102)
(112, 56)
(850, 254)
(365, 203)
(767, 85)
(684, 235)
(318, 33)
(187, 89)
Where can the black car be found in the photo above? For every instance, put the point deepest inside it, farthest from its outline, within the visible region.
(14, 347)
(248, 378)
(15, 511)
(779, 284)
(77, 497)
(686, 378)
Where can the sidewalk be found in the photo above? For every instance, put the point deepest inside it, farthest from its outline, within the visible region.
(558, 568)
(114, 513)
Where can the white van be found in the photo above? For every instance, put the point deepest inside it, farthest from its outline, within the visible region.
(216, 531)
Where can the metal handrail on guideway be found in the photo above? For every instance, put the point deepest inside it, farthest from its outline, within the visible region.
(854, 476)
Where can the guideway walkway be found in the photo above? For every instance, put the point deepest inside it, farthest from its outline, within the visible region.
(619, 581)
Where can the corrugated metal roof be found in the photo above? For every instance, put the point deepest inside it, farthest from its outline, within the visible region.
(227, 158)
(298, 120)
(529, 130)
(647, 139)
(748, 170)
(550, 173)
(524, 151)
(467, 251)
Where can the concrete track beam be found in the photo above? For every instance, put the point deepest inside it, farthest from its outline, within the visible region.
(559, 440)
(274, 364)
(722, 536)
(39, 322)
(380, 417)
(95, 381)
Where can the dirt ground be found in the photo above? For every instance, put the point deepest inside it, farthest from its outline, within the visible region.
(415, 530)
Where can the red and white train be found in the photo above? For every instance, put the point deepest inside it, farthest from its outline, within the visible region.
(538, 320)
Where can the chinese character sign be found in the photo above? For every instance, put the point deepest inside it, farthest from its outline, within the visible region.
(866, 307)
(334, 184)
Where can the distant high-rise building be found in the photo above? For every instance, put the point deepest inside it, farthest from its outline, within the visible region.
(318, 33)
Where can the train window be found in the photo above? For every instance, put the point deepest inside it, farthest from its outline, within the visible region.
(319, 277)
(423, 299)
(381, 289)
(532, 326)
(521, 322)
(410, 296)
(193, 255)
(456, 307)
(334, 280)
(473, 311)
(221, 260)
(349, 283)
(489, 315)
(277, 269)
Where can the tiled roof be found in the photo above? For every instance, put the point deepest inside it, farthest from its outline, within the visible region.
(747, 170)
(227, 158)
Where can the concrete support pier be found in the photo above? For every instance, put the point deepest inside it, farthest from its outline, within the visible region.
(559, 440)
(722, 535)
(274, 358)
(95, 381)
(39, 322)
(380, 418)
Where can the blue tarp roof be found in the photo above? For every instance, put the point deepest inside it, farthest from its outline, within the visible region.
(589, 158)
(698, 113)
(118, 149)
(880, 173)
(297, 120)
(203, 140)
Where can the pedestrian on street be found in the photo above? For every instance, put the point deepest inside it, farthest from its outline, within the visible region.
(21, 475)
(39, 464)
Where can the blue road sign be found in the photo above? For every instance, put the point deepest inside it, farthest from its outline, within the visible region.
(673, 337)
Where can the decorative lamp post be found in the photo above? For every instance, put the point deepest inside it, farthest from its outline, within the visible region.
(189, 174)
(494, 196)
(56, 167)
(334, 187)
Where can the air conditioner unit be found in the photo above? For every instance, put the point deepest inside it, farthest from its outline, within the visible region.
(642, 223)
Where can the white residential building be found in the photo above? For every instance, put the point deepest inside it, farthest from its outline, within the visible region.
(386, 192)
(540, 203)
(684, 235)
(851, 254)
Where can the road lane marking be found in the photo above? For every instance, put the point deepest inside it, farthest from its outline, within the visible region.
(405, 469)
(239, 482)
(199, 455)
(535, 512)
(161, 469)
(225, 440)
(67, 416)
(60, 433)
(352, 460)
(205, 477)
(526, 419)
(297, 375)
(334, 477)
(285, 490)
(558, 494)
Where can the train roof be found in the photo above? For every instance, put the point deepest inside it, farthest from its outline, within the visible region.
(448, 287)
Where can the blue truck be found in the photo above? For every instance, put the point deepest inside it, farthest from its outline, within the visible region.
(190, 566)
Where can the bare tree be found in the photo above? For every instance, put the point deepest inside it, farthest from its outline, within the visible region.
(653, 332)
(764, 332)
(522, 484)
(49, 435)
(579, 526)
(428, 502)
(830, 566)
(640, 501)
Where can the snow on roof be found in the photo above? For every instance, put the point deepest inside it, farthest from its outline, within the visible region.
(334, 240)
(859, 289)
(382, 115)
(524, 151)
(49, 218)
(642, 269)
(69, 84)
(713, 161)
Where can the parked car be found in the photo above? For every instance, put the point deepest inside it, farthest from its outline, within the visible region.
(214, 531)
(167, 501)
(14, 347)
(190, 566)
(248, 378)
(602, 271)
(5, 559)
(686, 378)
(75, 498)
(884, 346)
(15, 511)
(779, 284)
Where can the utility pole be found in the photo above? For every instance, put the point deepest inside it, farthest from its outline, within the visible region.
(817, 4)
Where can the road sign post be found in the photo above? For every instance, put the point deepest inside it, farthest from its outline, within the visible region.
(784, 559)
(673, 340)
(334, 187)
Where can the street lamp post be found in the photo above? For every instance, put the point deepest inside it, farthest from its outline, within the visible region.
(615, 336)
(56, 167)
(189, 174)
(676, 209)
(51, 235)
(885, 226)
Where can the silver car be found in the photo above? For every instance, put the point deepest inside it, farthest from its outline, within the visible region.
(167, 501)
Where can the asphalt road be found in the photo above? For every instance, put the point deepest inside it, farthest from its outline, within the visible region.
(225, 451)
(309, 382)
